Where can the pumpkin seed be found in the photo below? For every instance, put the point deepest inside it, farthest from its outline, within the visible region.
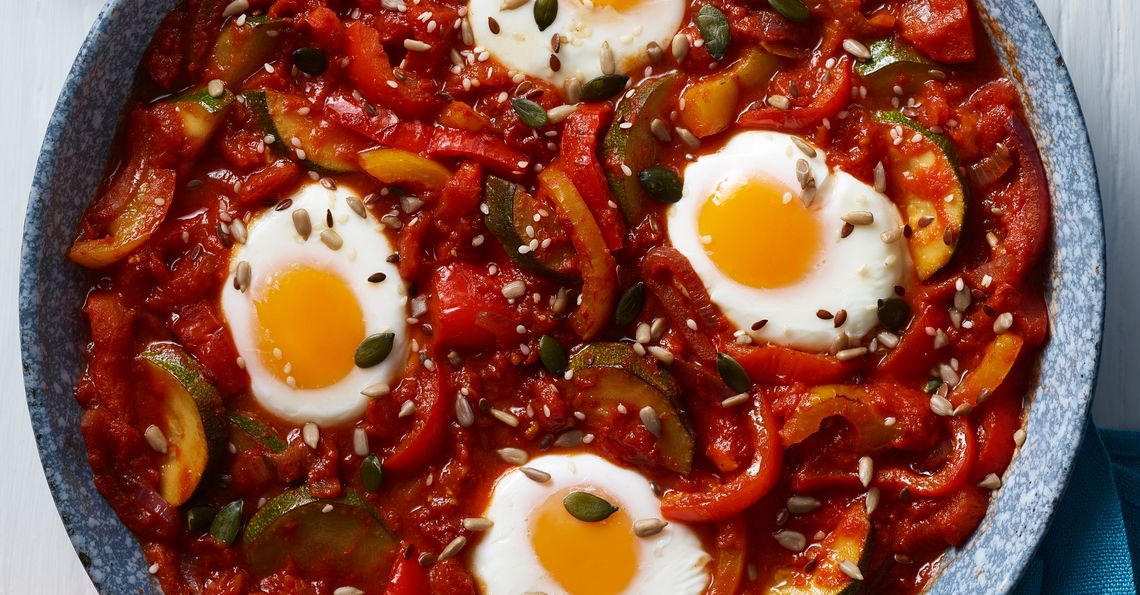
(553, 355)
(604, 87)
(199, 518)
(310, 61)
(661, 183)
(793, 10)
(630, 304)
(894, 313)
(545, 11)
(732, 373)
(227, 523)
(374, 349)
(713, 26)
(530, 113)
(587, 507)
(371, 474)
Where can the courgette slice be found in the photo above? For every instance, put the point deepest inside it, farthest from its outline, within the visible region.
(606, 375)
(327, 148)
(925, 181)
(847, 543)
(201, 113)
(240, 51)
(892, 55)
(258, 432)
(193, 421)
(342, 537)
(635, 147)
(509, 210)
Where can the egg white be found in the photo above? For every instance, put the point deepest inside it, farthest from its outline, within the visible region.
(520, 46)
(273, 244)
(672, 561)
(852, 273)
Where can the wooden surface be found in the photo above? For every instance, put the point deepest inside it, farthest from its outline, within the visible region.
(38, 41)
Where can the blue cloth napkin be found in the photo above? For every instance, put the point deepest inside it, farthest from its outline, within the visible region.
(1092, 546)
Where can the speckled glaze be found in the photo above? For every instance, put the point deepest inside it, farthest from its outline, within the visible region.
(72, 160)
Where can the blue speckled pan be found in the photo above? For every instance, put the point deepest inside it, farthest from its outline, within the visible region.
(80, 133)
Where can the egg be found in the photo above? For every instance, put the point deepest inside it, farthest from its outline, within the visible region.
(309, 304)
(535, 545)
(584, 28)
(767, 250)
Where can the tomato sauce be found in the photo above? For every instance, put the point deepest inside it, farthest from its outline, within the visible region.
(909, 440)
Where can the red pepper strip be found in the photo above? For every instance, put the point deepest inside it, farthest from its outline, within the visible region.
(580, 159)
(461, 194)
(385, 127)
(672, 279)
(487, 150)
(599, 271)
(1025, 214)
(911, 358)
(731, 547)
(949, 478)
(849, 402)
(409, 246)
(150, 198)
(267, 181)
(408, 577)
(722, 501)
(370, 70)
(1000, 418)
(426, 436)
(783, 365)
(200, 329)
(834, 94)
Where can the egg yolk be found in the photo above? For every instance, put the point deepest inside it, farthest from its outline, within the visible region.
(310, 326)
(759, 233)
(618, 5)
(584, 558)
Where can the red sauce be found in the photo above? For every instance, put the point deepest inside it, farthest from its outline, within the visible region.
(161, 264)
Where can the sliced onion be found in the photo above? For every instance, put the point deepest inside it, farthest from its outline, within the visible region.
(991, 168)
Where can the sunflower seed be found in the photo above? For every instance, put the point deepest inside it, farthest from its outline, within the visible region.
(514, 290)
(452, 548)
(687, 137)
(648, 527)
(477, 524)
(360, 442)
(155, 438)
(857, 49)
(804, 147)
(506, 417)
(866, 471)
(791, 540)
(859, 218)
(660, 130)
(1003, 323)
(572, 88)
(407, 409)
(680, 46)
(302, 223)
(570, 438)
(779, 102)
(379, 389)
(514, 456)
(1019, 437)
(512, 4)
(871, 501)
(332, 239)
(880, 178)
(654, 51)
(802, 504)
(941, 406)
(464, 414)
(735, 400)
(991, 482)
(608, 63)
(651, 420)
(235, 7)
(242, 276)
(661, 354)
(850, 354)
(851, 569)
(310, 434)
(559, 113)
(535, 474)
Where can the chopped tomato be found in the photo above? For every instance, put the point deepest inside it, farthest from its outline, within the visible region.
(832, 93)
(940, 28)
(369, 68)
(462, 299)
(432, 416)
(408, 577)
(953, 474)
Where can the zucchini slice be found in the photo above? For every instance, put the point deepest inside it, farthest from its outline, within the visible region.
(636, 147)
(342, 537)
(327, 148)
(606, 375)
(192, 419)
(201, 113)
(240, 51)
(890, 55)
(925, 181)
(845, 544)
(258, 432)
(509, 211)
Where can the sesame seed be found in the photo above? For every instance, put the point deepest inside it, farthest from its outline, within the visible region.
(514, 290)
(692, 324)
(1003, 323)
(779, 102)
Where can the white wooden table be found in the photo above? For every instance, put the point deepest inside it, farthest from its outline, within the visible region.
(38, 41)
